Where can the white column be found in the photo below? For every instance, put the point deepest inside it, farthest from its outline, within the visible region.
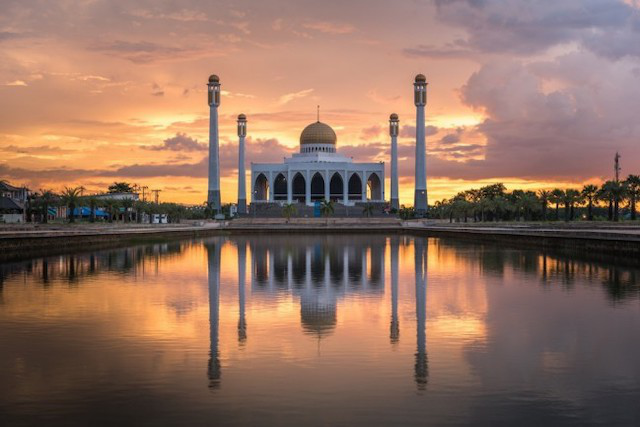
(213, 194)
(345, 188)
(271, 186)
(289, 188)
(307, 188)
(327, 185)
(393, 130)
(364, 186)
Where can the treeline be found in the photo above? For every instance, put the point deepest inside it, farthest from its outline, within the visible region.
(611, 201)
(101, 208)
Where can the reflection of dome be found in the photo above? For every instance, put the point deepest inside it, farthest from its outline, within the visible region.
(318, 319)
(318, 133)
(214, 79)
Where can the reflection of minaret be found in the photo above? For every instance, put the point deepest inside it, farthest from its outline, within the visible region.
(242, 262)
(395, 324)
(213, 257)
(421, 368)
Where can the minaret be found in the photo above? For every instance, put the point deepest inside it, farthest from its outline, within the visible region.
(420, 99)
(213, 196)
(242, 191)
(393, 132)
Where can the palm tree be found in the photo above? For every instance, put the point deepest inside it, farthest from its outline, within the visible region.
(45, 199)
(618, 193)
(589, 193)
(571, 197)
(127, 204)
(367, 210)
(544, 196)
(288, 210)
(604, 194)
(326, 208)
(71, 198)
(111, 205)
(557, 196)
(93, 204)
(633, 189)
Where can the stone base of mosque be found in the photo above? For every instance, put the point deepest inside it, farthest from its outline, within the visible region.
(275, 210)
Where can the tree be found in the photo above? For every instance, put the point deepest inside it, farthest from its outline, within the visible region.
(93, 203)
(71, 198)
(557, 195)
(326, 208)
(633, 190)
(111, 206)
(367, 210)
(618, 193)
(121, 187)
(589, 193)
(288, 210)
(571, 197)
(127, 204)
(544, 197)
(45, 199)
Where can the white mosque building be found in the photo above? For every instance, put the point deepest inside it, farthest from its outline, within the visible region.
(318, 172)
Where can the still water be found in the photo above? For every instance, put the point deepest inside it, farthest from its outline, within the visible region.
(319, 330)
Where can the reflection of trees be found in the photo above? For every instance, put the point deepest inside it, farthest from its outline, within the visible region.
(553, 268)
(73, 268)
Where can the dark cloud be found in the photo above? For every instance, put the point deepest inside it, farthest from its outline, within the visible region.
(180, 142)
(408, 131)
(528, 27)
(452, 138)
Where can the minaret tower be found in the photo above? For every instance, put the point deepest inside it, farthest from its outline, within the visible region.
(213, 196)
(420, 99)
(242, 191)
(393, 132)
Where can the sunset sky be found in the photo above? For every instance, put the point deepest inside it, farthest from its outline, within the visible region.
(534, 93)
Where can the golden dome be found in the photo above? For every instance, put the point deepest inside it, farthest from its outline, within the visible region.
(393, 116)
(318, 133)
(420, 78)
(214, 79)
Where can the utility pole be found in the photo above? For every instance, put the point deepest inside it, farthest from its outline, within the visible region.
(617, 166)
(157, 193)
(144, 193)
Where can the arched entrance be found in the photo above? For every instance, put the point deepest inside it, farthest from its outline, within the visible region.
(317, 187)
(374, 187)
(336, 188)
(261, 188)
(280, 187)
(355, 187)
(298, 188)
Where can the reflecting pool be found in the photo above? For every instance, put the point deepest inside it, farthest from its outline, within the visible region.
(319, 330)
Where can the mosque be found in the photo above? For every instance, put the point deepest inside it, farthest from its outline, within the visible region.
(318, 172)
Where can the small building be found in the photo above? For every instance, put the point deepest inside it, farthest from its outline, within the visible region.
(17, 199)
(10, 211)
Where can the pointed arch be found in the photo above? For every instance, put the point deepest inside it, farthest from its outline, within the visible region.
(336, 187)
(374, 187)
(261, 188)
(317, 187)
(355, 187)
(299, 188)
(280, 187)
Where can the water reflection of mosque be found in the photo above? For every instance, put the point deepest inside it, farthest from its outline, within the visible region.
(319, 272)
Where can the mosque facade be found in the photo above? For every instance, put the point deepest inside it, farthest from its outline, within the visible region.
(318, 172)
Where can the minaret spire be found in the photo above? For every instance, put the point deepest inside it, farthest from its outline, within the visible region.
(213, 195)
(318, 113)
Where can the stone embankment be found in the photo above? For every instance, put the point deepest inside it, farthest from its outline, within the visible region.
(583, 237)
